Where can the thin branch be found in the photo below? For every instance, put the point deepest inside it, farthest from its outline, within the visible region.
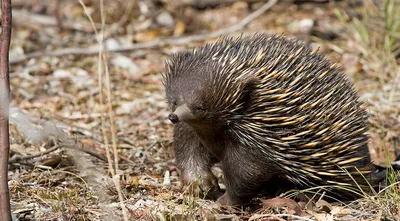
(94, 50)
(6, 16)
(103, 69)
(67, 141)
(54, 148)
(22, 158)
(116, 177)
(91, 153)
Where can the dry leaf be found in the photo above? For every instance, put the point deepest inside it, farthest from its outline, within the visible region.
(324, 206)
(146, 36)
(179, 28)
(282, 202)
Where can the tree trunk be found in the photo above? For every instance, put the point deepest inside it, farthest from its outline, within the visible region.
(5, 37)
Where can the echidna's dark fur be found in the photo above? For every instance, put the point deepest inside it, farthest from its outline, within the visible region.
(266, 107)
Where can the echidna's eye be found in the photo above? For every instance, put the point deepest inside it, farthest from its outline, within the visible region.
(174, 104)
(199, 108)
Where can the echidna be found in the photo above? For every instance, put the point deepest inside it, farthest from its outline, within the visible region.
(267, 108)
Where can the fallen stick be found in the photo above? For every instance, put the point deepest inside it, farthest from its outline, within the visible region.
(152, 44)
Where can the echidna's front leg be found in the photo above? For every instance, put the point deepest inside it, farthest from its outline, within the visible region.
(194, 162)
(245, 174)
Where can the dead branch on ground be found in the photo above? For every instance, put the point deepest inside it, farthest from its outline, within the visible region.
(94, 50)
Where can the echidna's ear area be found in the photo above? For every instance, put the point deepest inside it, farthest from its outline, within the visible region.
(249, 81)
(248, 85)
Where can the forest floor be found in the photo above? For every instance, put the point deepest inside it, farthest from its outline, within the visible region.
(61, 128)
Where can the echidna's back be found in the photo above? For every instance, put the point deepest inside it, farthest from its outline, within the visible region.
(304, 112)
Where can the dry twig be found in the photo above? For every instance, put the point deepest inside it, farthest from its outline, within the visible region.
(22, 158)
(103, 69)
(94, 50)
(54, 148)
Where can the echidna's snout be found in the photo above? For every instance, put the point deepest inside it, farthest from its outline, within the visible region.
(182, 113)
(173, 118)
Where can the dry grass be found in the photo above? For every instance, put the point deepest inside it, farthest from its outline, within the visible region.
(376, 38)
